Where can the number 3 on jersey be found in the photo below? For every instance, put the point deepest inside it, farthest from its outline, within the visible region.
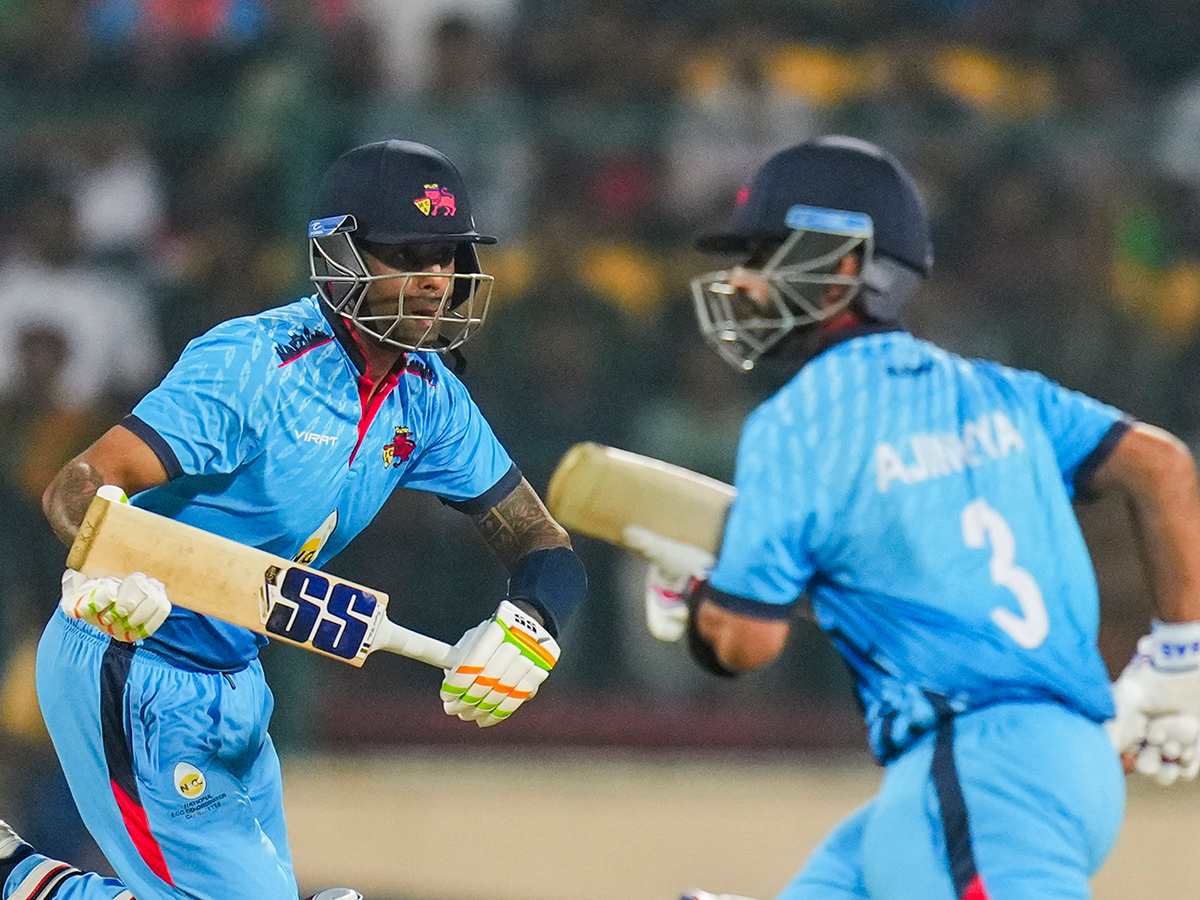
(983, 526)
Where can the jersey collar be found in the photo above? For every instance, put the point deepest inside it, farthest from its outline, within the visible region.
(841, 335)
(800, 348)
(790, 356)
(341, 331)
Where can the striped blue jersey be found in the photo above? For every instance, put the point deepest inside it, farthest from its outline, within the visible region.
(923, 503)
(270, 436)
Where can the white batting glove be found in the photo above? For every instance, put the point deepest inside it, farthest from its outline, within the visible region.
(128, 609)
(499, 665)
(1157, 726)
(1170, 750)
(673, 565)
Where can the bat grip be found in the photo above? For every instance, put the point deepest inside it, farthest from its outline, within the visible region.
(420, 647)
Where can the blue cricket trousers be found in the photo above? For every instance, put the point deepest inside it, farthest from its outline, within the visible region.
(1017, 801)
(172, 770)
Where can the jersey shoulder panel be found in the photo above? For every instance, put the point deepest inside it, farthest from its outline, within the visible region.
(1075, 423)
(295, 329)
(462, 458)
(214, 406)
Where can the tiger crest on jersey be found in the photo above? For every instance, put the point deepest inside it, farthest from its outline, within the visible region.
(400, 449)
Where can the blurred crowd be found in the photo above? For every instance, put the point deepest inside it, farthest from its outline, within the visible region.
(157, 158)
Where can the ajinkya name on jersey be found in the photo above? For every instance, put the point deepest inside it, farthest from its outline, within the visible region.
(990, 437)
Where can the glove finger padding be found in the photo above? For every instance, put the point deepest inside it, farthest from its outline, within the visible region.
(142, 600)
(1127, 729)
(473, 699)
(479, 648)
(86, 598)
(1171, 749)
(493, 676)
(157, 617)
(140, 606)
(522, 691)
(73, 582)
(128, 609)
(503, 686)
(666, 608)
(1157, 696)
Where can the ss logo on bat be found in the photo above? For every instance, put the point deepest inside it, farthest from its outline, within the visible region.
(301, 607)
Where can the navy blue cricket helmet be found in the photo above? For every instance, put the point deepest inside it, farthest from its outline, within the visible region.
(803, 210)
(392, 194)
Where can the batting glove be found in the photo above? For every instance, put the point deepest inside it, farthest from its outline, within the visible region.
(498, 666)
(673, 567)
(1157, 726)
(128, 609)
(1170, 750)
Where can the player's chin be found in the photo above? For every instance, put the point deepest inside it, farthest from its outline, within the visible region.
(416, 332)
(404, 334)
(417, 329)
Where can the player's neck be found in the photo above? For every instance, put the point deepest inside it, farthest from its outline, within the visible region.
(839, 322)
(379, 359)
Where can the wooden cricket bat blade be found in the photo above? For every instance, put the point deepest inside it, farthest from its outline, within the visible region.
(241, 585)
(600, 491)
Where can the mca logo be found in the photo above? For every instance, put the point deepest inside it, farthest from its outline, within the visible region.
(189, 781)
(436, 200)
(400, 449)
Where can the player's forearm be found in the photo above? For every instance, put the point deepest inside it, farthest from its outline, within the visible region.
(1168, 524)
(1156, 474)
(119, 457)
(66, 499)
(739, 643)
(546, 578)
(520, 524)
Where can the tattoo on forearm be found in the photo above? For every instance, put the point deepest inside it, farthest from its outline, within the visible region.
(519, 523)
(70, 495)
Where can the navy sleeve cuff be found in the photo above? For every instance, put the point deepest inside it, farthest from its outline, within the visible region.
(755, 609)
(491, 496)
(1101, 452)
(155, 442)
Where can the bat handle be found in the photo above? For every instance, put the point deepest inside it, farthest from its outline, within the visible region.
(399, 639)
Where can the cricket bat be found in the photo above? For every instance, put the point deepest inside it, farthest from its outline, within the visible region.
(601, 491)
(242, 585)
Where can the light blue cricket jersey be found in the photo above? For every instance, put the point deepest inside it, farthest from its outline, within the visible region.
(923, 501)
(265, 439)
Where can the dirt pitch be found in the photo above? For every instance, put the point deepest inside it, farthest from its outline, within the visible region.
(561, 827)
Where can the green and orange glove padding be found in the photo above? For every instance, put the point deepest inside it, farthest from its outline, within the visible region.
(500, 664)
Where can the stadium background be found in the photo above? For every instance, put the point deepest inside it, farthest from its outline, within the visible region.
(156, 163)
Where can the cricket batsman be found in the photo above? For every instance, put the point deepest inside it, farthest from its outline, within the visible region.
(922, 502)
(287, 431)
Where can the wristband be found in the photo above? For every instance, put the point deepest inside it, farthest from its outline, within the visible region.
(1176, 646)
(553, 580)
